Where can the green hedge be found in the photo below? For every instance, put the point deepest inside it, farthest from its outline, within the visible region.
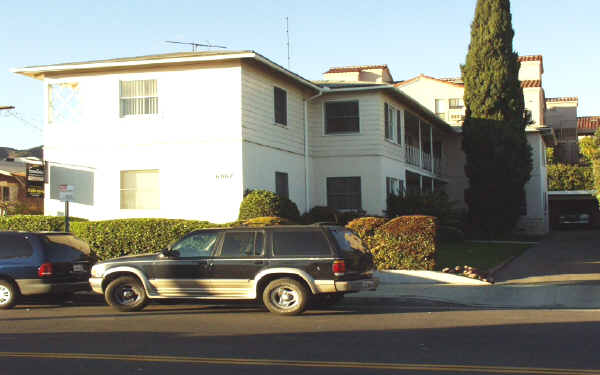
(570, 177)
(263, 203)
(35, 223)
(114, 238)
(405, 242)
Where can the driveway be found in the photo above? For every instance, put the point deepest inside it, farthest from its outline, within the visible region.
(564, 257)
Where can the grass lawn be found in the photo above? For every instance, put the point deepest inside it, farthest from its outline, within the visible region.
(480, 255)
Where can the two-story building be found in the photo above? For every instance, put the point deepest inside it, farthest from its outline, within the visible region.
(184, 135)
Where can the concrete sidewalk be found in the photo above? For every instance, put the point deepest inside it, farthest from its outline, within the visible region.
(440, 287)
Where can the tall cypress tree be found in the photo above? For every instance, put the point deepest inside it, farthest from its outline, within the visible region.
(498, 157)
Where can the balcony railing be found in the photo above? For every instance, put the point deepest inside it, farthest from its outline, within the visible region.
(412, 155)
(426, 161)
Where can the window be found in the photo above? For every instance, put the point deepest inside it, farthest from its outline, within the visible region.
(5, 194)
(390, 123)
(280, 104)
(196, 245)
(344, 193)
(440, 108)
(456, 103)
(65, 248)
(140, 190)
(64, 103)
(14, 246)
(393, 186)
(138, 97)
(305, 243)
(341, 117)
(281, 184)
(399, 115)
(243, 244)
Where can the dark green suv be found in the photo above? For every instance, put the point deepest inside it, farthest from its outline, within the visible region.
(284, 266)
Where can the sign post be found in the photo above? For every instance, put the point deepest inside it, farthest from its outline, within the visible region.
(65, 194)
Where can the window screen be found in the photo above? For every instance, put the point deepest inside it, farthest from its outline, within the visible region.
(280, 106)
(140, 189)
(14, 246)
(305, 243)
(341, 117)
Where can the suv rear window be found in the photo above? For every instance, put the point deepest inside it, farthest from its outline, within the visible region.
(300, 243)
(64, 248)
(14, 246)
(347, 240)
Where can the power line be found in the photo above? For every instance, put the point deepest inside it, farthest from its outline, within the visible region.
(19, 116)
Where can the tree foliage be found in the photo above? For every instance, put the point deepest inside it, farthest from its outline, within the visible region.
(498, 157)
(570, 177)
(590, 149)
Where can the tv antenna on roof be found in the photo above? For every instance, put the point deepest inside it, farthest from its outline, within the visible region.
(195, 46)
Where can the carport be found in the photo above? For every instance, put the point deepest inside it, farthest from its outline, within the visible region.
(580, 201)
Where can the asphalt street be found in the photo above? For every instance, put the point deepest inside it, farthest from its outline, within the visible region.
(409, 337)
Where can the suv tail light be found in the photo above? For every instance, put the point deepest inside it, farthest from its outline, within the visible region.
(46, 269)
(338, 267)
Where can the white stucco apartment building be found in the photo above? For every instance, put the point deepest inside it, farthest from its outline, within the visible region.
(184, 135)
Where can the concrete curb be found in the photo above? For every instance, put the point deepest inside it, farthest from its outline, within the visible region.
(425, 277)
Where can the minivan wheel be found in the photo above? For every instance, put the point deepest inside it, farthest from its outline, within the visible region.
(285, 297)
(126, 293)
(8, 294)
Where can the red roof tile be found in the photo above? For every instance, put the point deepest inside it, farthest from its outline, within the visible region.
(588, 123)
(531, 83)
(447, 81)
(531, 58)
(346, 69)
(563, 99)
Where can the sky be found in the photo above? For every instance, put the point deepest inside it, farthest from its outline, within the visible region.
(411, 37)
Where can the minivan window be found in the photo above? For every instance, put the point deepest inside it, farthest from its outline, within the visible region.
(303, 243)
(347, 240)
(65, 248)
(14, 246)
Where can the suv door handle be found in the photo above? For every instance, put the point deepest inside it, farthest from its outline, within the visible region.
(201, 262)
(261, 262)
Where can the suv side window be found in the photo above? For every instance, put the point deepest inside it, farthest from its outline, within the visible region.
(196, 245)
(14, 246)
(242, 244)
(300, 243)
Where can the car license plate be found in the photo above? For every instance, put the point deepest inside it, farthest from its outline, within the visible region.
(78, 268)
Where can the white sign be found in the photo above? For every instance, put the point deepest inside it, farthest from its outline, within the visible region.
(65, 193)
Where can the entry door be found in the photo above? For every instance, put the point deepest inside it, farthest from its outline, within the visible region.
(237, 262)
(185, 274)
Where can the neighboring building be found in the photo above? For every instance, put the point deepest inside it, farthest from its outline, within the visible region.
(13, 189)
(561, 115)
(445, 98)
(587, 125)
(184, 135)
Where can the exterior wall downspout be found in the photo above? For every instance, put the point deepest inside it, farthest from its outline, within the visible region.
(306, 161)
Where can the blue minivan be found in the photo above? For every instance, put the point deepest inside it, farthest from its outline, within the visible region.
(33, 263)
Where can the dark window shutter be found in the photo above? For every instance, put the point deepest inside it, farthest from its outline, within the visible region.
(280, 105)
(399, 126)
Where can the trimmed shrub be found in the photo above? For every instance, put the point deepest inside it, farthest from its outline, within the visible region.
(267, 220)
(365, 228)
(35, 223)
(262, 203)
(114, 238)
(430, 204)
(406, 242)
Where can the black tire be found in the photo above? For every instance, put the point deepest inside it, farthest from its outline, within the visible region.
(285, 297)
(126, 293)
(8, 294)
(326, 299)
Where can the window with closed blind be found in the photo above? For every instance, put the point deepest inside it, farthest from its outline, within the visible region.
(140, 190)
(341, 117)
(280, 104)
(139, 97)
(344, 193)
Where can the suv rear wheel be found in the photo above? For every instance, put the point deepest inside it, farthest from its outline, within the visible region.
(126, 293)
(8, 294)
(285, 296)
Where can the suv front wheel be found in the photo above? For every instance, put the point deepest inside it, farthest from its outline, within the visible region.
(285, 296)
(8, 294)
(126, 293)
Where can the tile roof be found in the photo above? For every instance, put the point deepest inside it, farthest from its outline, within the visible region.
(12, 167)
(563, 99)
(588, 123)
(448, 81)
(531, 83)
(531, 58)
(358, 68)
